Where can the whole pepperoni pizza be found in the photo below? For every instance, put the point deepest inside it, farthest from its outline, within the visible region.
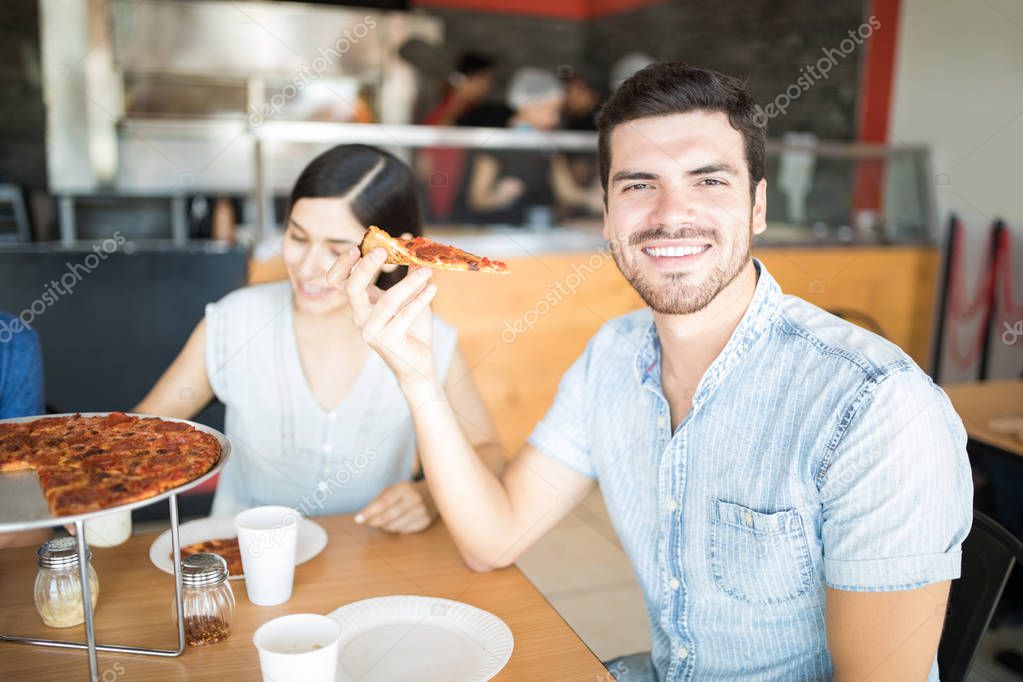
(86, 464)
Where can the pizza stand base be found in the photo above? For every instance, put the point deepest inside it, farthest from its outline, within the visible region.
(22, 510)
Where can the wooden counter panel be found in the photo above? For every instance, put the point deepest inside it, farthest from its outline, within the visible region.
(520, 332)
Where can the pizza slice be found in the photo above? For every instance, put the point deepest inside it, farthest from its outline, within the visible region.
(427, 253)
(227, 548)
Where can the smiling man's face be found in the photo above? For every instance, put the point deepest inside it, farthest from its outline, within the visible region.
(680, 214)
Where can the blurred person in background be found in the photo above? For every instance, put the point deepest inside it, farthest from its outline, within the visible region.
(467, 88)
(440, 169)
(21, 395)
(582, 99)
(583, 95)
(316, 419)
(522, 187)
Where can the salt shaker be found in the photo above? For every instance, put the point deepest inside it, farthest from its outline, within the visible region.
(58, 588)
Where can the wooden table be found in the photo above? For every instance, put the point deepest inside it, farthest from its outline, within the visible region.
(977, 402)
(136, 598)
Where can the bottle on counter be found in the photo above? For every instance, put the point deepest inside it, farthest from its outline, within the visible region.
(207, 599)
(58, 588)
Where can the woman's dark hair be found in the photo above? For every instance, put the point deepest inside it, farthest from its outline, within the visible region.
(676, 88)
(380, 188)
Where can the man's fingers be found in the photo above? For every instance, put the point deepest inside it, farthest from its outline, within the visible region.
(342, 267)
(361, 278)
(396, 298)
(407, 315)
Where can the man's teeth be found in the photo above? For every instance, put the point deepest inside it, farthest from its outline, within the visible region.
(676, 251)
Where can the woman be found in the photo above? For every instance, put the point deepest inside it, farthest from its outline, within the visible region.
(315, 418)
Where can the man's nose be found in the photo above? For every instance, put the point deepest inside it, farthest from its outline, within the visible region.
(674, 207)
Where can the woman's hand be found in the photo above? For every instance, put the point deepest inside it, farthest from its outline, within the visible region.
(403, 508)
(396, 323)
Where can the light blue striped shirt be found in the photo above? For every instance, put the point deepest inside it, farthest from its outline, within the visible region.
(815, 454)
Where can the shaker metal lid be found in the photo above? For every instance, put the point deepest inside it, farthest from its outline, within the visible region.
(59, 553)
(203, 569)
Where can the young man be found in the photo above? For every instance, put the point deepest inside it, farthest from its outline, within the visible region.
(792, 490)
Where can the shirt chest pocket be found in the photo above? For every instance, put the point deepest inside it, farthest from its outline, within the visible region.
(757, 557)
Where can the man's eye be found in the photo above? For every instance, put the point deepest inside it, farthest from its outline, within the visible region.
(638, 185)
(297, 238)
(711, 181)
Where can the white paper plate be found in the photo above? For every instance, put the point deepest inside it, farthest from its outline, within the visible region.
(401, 638)
(311, 540)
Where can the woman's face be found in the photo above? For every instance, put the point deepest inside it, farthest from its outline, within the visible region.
(318, 231)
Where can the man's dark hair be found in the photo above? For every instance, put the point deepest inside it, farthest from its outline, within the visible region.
(675, 88)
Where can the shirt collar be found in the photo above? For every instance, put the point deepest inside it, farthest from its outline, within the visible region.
(755, 321)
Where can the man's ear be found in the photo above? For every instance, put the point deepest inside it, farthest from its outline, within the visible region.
(759, 217)
(607, 229)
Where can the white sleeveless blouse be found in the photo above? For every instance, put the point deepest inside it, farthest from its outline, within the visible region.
(286, 450)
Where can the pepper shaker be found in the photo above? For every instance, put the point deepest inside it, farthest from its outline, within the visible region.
(207, 599)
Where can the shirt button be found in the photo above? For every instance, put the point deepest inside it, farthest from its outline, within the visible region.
(331, 416)
(661, 421)
(671, 505)
(682, 652)
(747, 518)
(327, 447)
(674, 584)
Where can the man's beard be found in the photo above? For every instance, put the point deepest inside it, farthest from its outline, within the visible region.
(677, 296)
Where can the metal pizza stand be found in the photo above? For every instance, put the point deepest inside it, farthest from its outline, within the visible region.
(23, 507)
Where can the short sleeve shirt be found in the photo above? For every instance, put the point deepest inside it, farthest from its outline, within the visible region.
(815, 454)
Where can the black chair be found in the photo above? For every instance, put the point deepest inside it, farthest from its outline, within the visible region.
(989, 554)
